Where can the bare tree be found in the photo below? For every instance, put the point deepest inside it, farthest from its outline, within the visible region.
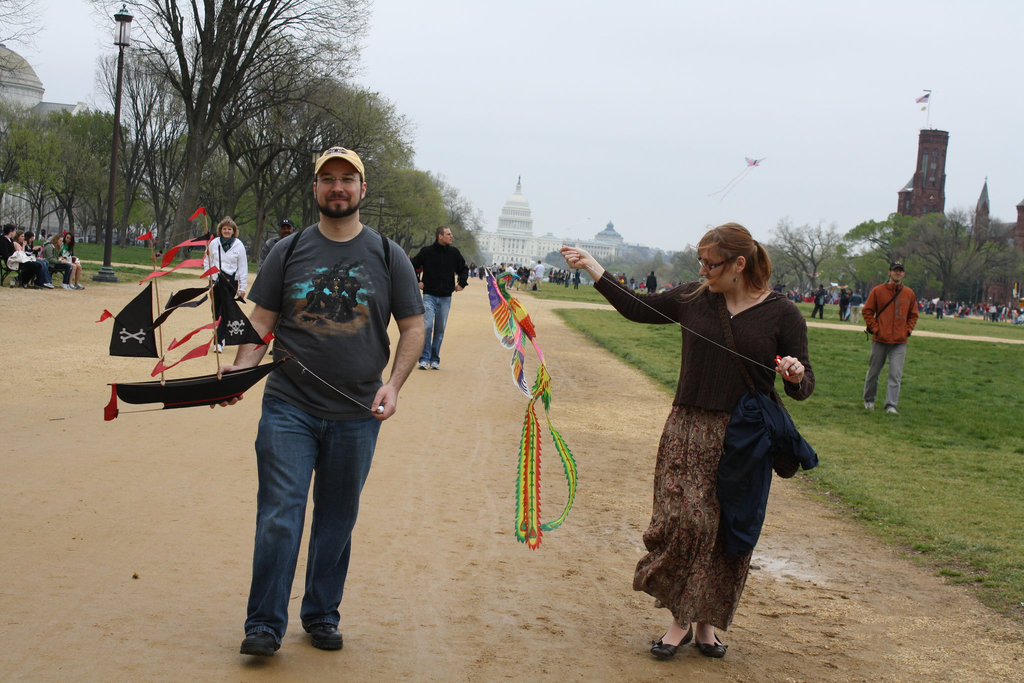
(416, 209)
(13, 145)
(141, 94)
(80, 172)
(955, 253)
(17, 18)
(216, 54)
(464, 219)
(152, 143)
(884, 238)
(807, 247)
(37, 168)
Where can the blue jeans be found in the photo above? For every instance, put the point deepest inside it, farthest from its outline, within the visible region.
(290, 446)
(64, 268)
(435, 317)
(42, 273)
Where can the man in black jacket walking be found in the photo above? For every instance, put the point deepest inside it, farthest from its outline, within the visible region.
(820, 297)
(442, 271)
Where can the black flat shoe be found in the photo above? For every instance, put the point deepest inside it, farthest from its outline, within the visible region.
(663, 651)
(716, 649)
(325, 636)
(260, 643)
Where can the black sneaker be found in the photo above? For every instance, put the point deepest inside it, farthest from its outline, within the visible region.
(260, 643)
(325, 636)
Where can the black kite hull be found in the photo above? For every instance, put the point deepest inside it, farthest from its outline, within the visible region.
(188, 391)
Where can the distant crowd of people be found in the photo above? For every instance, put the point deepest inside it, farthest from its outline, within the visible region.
(849, 303)
(33, 265)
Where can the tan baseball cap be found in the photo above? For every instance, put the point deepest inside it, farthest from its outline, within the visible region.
(341, 153)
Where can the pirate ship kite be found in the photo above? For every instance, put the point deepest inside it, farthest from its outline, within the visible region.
(137, 333)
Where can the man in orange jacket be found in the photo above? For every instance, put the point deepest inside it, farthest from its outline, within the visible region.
(891, 314)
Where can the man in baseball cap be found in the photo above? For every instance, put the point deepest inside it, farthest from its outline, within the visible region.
(344, 154)
(891, 314)
(284, 228)
(328, 293)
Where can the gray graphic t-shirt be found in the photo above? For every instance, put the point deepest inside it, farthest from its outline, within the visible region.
(335, 300)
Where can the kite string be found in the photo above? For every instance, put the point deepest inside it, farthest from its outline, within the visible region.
(295, 360)
(698, 334)
(738, 177)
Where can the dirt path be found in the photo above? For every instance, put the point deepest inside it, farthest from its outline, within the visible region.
(439, 588)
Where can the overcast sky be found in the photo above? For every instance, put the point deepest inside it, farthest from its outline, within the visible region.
(637, 112)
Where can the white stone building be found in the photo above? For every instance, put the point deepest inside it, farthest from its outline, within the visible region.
(21, 87)
(514, 241)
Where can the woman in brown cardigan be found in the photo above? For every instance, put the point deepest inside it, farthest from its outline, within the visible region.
(686, 569)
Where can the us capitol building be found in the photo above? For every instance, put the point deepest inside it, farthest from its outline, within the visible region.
(514, 242)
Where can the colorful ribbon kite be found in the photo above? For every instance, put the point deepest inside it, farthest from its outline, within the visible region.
(511, 324)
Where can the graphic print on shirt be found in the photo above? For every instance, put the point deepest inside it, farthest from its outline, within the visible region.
(335, 299)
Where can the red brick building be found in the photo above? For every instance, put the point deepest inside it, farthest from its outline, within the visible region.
(926, 191)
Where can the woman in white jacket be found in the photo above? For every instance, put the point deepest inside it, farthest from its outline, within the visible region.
(227, 252)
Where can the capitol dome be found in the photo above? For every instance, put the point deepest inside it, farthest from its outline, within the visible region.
(609, 234)
(515, 217)
(18, 81)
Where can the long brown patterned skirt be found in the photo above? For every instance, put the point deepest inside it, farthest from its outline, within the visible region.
(686, 569)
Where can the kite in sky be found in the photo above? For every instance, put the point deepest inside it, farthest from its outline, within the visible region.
(751, 165)
(511, 324)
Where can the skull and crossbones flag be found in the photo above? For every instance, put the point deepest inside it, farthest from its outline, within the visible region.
(133, 328)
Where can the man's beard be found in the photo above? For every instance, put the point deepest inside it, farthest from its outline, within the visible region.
(326, 210)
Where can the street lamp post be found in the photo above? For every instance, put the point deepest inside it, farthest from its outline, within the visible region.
(122, 40)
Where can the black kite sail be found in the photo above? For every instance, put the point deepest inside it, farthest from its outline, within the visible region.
(134, 334)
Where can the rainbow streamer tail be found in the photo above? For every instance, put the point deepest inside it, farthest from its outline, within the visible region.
(569, 465)
(528, 526)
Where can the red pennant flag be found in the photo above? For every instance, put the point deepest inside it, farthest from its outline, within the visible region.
(212, 271)
(200, 211)
(110, 410)
(187, 263)
(147, 236)
(106, 314)
(197, 352)
(208, 326)
(169, 256)
(155, 273)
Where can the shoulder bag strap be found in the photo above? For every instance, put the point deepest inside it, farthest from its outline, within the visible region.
(894, 297)
(878, 313)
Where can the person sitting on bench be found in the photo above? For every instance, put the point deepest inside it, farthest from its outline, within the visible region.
(51, 254)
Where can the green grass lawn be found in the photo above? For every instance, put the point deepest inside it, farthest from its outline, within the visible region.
(585, 293)
(140, 258)
(944, 479)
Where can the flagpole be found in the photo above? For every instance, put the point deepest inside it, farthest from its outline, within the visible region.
(156, 296)
(213, 305)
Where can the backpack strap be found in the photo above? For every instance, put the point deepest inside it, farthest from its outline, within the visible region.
(288, 254)
(385, 244)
